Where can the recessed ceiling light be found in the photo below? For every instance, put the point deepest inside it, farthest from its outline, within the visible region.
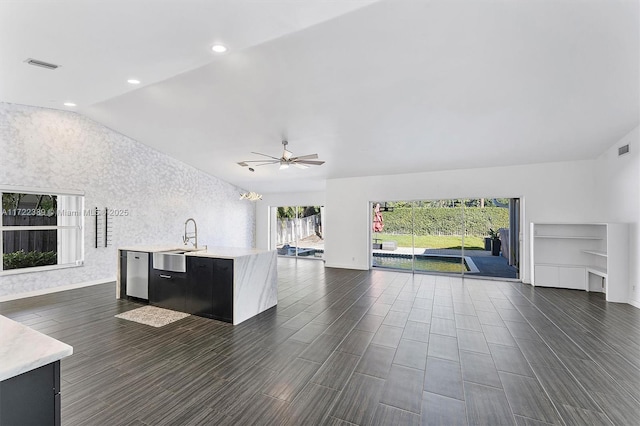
(133, 81)
(69, 104)
(218, 48)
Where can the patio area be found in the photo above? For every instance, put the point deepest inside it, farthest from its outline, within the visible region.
(486, 264)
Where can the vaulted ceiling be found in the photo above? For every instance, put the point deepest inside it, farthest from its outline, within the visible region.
(372, 87)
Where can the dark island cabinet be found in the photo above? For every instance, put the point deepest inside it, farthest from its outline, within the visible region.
(209, 291)
(32, 398)
(223, 289)
(168, 289)
(199, 295)
(123, 274)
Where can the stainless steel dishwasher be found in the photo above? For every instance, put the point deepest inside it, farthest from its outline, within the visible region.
(138, 274)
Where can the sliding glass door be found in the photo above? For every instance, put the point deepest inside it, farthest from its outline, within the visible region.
(478, 236)
(297, 231)
(392, 240)
(438, 235)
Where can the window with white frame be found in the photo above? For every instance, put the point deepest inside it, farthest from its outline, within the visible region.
(41, 229)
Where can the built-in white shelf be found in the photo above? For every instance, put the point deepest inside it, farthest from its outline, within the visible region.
(569, 237)
(561, 264)
(595, 253)
(597, 271)
(581, 256)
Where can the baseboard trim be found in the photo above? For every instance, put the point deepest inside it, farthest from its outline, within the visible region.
(333, 265)
(634, 303)
(55, 289)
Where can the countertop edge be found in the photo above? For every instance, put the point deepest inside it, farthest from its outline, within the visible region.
(150, 249)
(211, 252)
(25, 349)
(227, 256)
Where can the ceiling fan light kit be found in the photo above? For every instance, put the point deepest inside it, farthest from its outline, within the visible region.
(251, 196)
(287, 159)
(286, 154)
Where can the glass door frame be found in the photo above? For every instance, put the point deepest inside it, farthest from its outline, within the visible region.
(516, 223)
(273, 232)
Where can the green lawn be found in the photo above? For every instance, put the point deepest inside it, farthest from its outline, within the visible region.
(433, 241)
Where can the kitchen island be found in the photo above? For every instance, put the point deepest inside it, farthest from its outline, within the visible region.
(29, 375)
(223, 283)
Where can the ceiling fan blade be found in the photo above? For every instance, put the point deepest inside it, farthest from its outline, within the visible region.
(259, 161)
(314, 163)
(265, 155)
(305, 157)
(301, 162)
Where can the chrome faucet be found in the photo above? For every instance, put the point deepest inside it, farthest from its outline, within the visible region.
(188, 236)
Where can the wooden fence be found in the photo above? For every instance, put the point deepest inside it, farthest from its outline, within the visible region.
(303, 227)
(29, 240)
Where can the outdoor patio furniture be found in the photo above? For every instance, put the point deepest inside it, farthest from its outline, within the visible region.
(389, 245)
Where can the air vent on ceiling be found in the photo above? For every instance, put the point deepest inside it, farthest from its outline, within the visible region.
(623, 150)
(42, 64)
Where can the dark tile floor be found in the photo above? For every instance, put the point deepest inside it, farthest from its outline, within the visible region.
(352, 347)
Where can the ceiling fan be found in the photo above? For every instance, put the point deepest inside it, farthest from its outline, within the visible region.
(287, 159)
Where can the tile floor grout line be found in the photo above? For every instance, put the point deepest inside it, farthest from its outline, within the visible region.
(387, 286)
(587, 393)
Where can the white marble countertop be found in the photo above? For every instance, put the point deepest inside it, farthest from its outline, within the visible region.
(227, 252)
(216, 252)
(153, 248)
(23, 349)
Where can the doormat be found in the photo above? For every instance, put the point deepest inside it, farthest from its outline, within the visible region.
(153, 316)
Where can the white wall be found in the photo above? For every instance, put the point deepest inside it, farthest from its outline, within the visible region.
(551, 192)
(602, 190)
(280, 200)
(618, 187)
(44, 148)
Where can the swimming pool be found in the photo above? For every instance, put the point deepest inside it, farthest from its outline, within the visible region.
(425, 263)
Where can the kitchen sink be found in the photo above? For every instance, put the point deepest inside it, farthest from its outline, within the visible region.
(171, 260)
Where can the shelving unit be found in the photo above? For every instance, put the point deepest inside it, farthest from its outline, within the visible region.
(595, 253)
(587, 256)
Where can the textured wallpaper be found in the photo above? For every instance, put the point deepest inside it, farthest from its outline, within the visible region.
(44, 148)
